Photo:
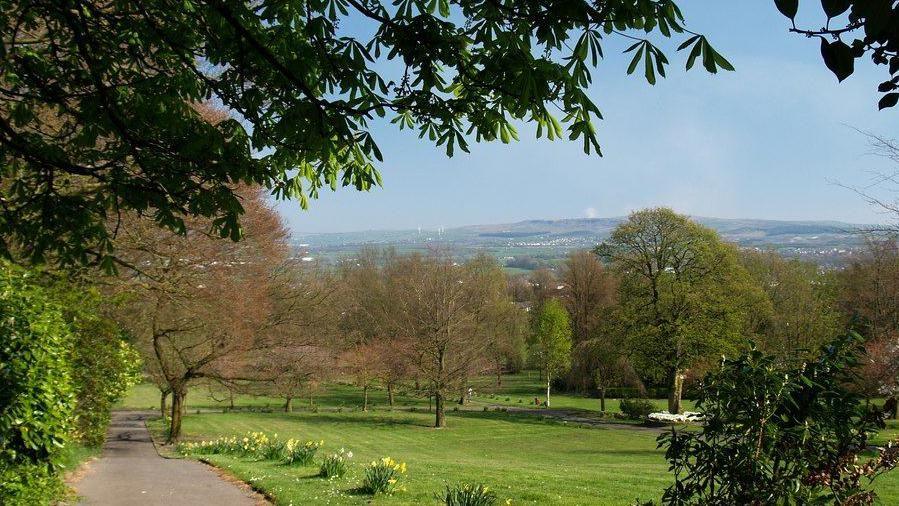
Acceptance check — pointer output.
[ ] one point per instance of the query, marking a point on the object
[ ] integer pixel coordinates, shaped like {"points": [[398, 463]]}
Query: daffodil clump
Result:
{"points": [[469, 494], [335, 465], [222, 445], [254, 444], [382, 476], [297, 452]]}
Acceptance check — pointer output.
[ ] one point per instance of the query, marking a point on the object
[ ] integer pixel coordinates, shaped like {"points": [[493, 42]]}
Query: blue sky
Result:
{"points": [[766, 141]]}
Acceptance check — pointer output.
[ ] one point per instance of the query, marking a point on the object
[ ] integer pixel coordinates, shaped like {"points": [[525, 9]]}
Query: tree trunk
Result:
{"points": [[288, 405], [163, 396], [547, 390], [231, 398], [390, 393], [602, 399], [311, 398], [499, 376], [365, 398], [674, 397], [177, 414], [440, 420]]}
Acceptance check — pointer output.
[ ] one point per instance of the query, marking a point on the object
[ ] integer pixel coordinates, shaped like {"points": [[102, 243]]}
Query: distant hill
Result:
{"points": [[827, 242]]}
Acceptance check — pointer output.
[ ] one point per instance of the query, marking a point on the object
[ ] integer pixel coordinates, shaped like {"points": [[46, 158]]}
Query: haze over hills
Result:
{"points": [[826, 242]]}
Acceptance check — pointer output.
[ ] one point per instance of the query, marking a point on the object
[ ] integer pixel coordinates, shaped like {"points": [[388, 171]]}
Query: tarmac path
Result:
{"points": [[131, 472]]}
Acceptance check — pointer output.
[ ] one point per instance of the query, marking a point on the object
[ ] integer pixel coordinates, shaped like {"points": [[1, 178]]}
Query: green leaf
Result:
{"points": [[838, 58], [635, 60], [834, 8], [888, 100], [788, 8]]}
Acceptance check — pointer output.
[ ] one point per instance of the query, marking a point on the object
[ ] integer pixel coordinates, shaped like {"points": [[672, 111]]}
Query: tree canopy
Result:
{"points": [[98, 98], [684, 296]]}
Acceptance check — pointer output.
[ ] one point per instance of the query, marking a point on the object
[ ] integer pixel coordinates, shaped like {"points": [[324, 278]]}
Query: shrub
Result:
{"points": [[636, 409], [382, 476], [468, 494], [335, 465], [779, 435], [36, 398], [297, 453]]}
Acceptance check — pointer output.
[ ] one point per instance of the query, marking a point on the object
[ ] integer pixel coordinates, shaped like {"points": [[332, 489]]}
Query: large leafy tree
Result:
{"points": [[97, 98], [854, 29], [684, 297]]}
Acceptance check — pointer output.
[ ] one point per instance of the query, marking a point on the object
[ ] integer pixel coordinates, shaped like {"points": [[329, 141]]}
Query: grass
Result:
{"points": [[525, 458], [521, 387], [75, 454]]}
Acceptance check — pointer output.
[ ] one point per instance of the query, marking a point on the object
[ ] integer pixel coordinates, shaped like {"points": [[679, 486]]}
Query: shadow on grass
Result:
{"points": [[358, 491]]}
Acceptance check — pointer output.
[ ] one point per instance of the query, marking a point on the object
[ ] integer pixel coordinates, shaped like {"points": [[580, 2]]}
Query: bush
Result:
{"points": [[297, 453], [382, 476], [336, 464], [780, 435], [103, 364], [36, 398], [468, 494], [636, 409]]}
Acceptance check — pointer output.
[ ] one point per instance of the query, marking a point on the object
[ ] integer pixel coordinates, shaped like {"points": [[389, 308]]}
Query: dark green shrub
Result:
{"points": [[36, 398], [468, 494], [779, 435], [636, 409]]}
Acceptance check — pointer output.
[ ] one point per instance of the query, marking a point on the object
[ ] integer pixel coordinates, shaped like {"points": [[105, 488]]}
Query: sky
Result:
{"points": [[776, 139]]}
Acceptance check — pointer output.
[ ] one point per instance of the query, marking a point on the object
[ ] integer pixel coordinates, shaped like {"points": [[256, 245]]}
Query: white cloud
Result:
{"points": [[590, 212]]}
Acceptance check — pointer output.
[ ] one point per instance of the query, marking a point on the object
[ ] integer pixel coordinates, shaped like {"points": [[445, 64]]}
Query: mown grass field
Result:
{"points": [[524, 458]]}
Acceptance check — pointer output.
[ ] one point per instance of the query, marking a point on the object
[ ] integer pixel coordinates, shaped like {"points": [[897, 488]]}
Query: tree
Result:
{"points": [[853, 29], [439, 307], [506, 328], [362, 321], [119, 79], [779, 434], [550, 346], [588, 289], [544, 286], [683, 295], [802, 314], [199, 304]]}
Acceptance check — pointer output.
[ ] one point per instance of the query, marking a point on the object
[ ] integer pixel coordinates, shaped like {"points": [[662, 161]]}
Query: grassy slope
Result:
{"points": [[522, 457]]}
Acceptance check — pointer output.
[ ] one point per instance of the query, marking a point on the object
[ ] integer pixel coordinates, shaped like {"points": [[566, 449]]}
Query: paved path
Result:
{"points": [[580, 417], [130, 472]]}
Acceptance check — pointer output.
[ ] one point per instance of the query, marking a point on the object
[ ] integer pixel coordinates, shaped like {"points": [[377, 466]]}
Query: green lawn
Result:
{"points": [[516, 390], [524, 458]]}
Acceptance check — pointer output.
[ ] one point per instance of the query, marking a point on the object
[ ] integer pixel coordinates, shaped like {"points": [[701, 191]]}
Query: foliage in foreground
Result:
{"points": [[382, 476], [87, 87], [62, 366], [468, 494], [777, 434], [37, 399]]}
